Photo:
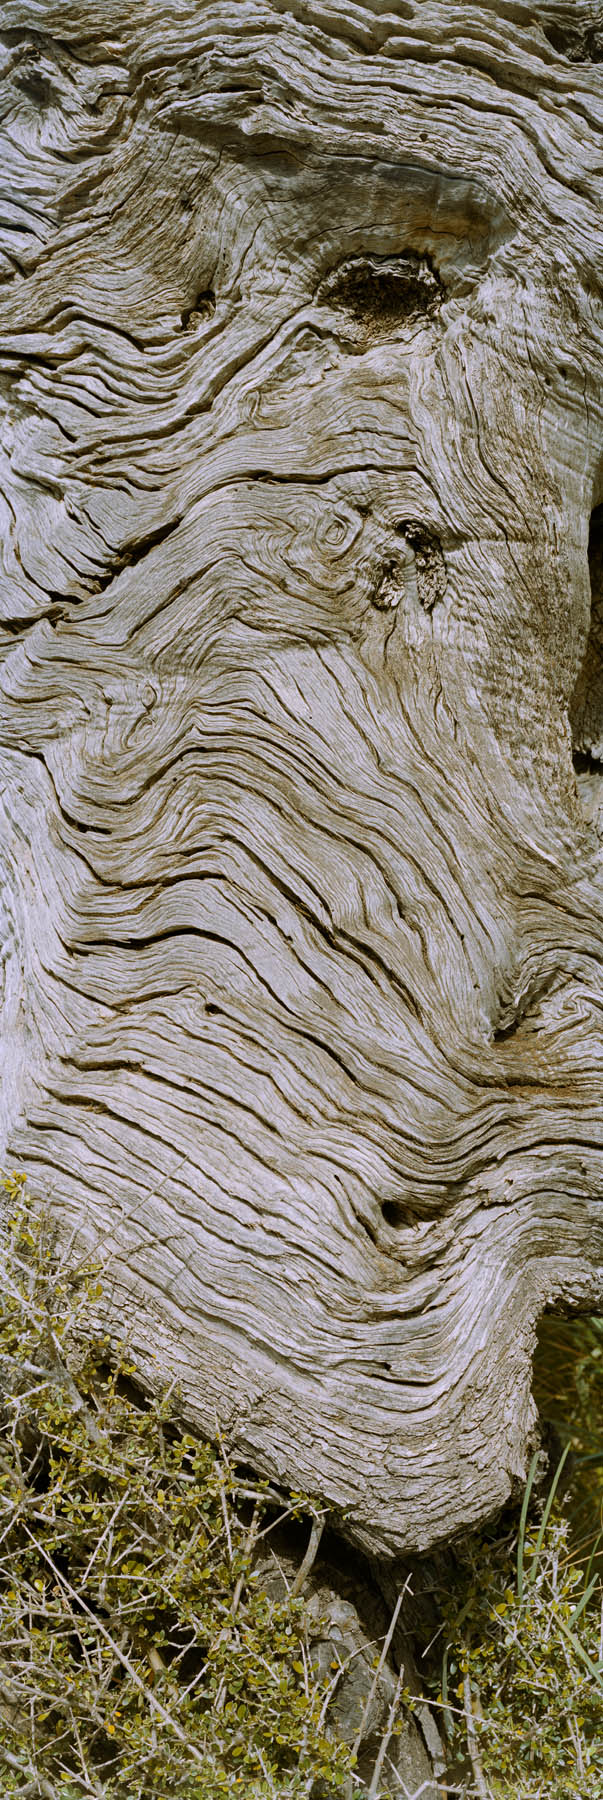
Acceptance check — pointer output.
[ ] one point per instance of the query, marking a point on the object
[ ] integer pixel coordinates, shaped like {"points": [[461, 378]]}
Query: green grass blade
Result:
{"points": [[445, 1710], [594, 1553], [522, 1523], [532, 1571], [583, 1601], [595, 1670]]}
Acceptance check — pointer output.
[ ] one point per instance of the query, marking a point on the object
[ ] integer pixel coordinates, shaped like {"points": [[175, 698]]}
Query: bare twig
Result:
{"points": [[226, 1521], [373, 1687], [38, 1784], [472, 1744], [247, 1550], [309, 1560], [154, 1704], [391, 1720]]}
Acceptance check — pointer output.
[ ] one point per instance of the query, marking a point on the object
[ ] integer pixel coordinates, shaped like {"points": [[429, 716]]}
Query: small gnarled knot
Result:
{"points": [[388, 589], [430, 567], [381, 292]]}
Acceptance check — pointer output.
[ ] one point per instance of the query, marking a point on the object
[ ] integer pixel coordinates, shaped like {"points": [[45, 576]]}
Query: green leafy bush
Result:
{"points": [[138, 1656], [522, 1687], [568, 1390]]}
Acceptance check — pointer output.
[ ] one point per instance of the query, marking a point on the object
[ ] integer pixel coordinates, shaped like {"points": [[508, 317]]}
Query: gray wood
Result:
{"points": [[300, 349]]}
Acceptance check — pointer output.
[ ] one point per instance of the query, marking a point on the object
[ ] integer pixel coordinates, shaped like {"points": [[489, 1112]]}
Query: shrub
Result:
{"points": [[522, 1687], [138, 1656], [568, 1390]]}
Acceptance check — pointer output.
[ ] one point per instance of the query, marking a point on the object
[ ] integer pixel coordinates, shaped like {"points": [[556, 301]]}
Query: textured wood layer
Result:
{"points": [[300, 354]]}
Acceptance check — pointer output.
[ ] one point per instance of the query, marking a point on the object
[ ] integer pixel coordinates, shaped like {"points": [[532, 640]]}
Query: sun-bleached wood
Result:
{"points": [[301, 897]]}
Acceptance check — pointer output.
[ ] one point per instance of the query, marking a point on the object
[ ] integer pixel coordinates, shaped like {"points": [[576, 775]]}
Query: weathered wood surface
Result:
{"points": [[300, 365]]}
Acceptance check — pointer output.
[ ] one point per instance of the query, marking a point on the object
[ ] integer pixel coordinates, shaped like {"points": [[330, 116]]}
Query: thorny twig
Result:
{"points": [[373, 1687]]}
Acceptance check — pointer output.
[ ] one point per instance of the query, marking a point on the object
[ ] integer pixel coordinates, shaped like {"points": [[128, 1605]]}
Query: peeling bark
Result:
{"points": [[300, 341]]}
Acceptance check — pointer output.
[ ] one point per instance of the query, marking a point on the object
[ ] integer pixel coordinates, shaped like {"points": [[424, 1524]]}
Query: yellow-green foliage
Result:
{"points": [[138, 1656], [568, 1390], [522, 1689]]}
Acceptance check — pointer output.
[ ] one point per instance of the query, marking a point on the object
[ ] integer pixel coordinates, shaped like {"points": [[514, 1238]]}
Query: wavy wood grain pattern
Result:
{"points": [[300, 357]]}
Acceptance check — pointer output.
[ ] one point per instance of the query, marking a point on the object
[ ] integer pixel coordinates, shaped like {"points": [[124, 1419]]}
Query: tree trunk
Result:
{"points": [[301, 896]]}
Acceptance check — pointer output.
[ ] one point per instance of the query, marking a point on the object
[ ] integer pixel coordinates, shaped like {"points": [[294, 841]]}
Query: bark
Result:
{"points": [[301, 893]]}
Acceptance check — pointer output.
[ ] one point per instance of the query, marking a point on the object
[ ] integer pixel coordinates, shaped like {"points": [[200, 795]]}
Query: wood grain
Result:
{"points": [[301, 903]]}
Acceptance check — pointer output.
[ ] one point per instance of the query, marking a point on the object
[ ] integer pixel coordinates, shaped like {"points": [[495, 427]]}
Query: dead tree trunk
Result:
{"points": [[300, 353]]}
